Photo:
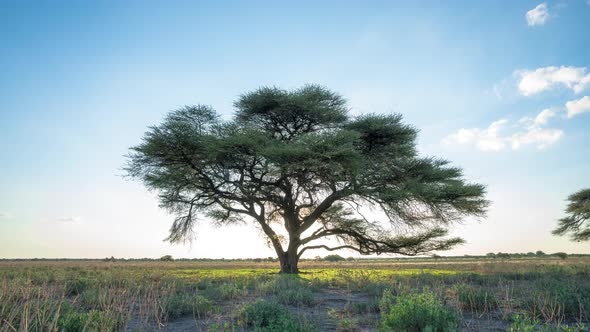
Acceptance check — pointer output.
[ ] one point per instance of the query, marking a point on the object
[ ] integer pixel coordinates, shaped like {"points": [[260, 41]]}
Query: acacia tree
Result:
{"points": [[296, 163], [577, 224]]}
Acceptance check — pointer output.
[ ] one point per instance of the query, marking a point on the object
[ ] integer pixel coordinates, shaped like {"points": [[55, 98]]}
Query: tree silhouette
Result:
{"points": [[577, 223], [296, 163]]}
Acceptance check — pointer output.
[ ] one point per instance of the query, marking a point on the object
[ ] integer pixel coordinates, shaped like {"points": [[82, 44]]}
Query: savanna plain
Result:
{"points": [[524, 293]]}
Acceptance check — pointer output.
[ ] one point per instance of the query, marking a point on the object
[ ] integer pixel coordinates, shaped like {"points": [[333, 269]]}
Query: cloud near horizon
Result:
{"points": [[537, 15], [530, 131]]}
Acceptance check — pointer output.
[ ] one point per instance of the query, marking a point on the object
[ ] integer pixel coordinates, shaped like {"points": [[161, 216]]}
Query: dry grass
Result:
{"points": [[148, 295]]}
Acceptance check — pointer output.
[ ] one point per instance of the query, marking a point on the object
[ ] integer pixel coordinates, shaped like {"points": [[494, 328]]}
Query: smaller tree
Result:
{"points": [[166, 258], [577, 223], [334, 258], [561, 255], [540, 253]]}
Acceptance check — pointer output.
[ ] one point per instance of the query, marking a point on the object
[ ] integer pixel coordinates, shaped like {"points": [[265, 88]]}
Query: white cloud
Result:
{"points": [[534, 81], [529, 131], [540, 120], [4, 214], [543, 117], [575, 107], [541, 137], [71, 219], [537, 15], [486, 139]]}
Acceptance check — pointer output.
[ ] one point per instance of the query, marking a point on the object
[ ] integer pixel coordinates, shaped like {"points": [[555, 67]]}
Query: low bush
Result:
{"points": [[186, 304], [417, 312], [265, 316]]}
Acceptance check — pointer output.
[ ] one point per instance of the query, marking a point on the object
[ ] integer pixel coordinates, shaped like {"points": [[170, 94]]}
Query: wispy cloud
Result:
{"points": [[531, 82], [495, 137], [4, 215], [577, 106], [537, 15]]}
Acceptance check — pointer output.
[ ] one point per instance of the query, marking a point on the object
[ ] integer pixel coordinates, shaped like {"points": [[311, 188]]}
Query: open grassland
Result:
{"points": [[526, 294]]}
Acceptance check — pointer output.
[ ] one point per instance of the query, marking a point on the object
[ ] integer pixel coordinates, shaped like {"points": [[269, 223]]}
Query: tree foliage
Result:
{"points": [[577, 223], [297, 160]]}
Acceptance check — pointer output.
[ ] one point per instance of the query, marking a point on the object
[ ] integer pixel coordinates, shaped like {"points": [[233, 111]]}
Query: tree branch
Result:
{"points": [[322, 246]]}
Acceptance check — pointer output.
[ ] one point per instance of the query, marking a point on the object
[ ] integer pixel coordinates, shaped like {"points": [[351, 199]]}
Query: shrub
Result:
{"points": [[186, 304], [476, 298], [166, 258], [267, 316], [417, 312]]}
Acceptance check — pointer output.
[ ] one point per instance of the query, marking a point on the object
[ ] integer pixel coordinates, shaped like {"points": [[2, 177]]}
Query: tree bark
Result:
{"points": [[289, 261]]}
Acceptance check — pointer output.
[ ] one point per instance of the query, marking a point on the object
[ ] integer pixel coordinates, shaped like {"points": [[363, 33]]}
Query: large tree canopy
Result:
{"points": [[577, 224], [297, 163]]}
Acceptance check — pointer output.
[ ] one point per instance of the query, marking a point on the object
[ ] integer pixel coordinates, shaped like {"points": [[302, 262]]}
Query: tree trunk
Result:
{"points": [[289, 261]]}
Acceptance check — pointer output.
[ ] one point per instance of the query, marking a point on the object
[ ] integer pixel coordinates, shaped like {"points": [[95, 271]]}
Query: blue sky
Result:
{"points": [[80, 82]]}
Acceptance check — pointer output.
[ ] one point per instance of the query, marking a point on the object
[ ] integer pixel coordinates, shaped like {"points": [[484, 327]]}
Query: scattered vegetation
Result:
{"points": [[524, 293]]}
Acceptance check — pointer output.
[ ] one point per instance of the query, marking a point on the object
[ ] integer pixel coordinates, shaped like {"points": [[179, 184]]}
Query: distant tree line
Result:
{"points": [[328, 258], [539, 253]]}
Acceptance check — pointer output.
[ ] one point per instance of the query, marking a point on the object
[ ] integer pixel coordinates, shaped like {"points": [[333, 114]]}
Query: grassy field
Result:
{"points": [[527, 294]]}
